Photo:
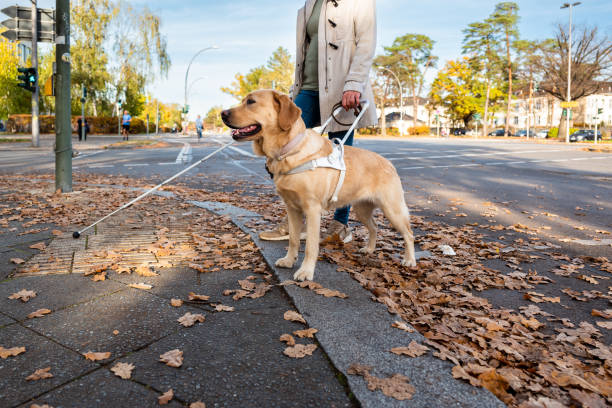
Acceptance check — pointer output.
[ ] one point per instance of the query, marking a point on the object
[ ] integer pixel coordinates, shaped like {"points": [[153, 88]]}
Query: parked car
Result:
{"points": [[523, 133], [499, 132], [584, 135], [542, 133], [459, 131]]}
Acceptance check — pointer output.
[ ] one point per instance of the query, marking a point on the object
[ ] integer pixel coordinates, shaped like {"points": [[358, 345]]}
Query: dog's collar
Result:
{"points": [[286, 150]]}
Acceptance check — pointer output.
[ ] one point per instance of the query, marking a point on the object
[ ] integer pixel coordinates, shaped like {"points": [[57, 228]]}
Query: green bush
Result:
{"points": [[101, 125], [553, 133]]}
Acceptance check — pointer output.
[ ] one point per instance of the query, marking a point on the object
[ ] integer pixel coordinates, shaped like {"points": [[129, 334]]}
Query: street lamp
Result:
{"points": [[214, 47], [190, 87], [569, 67], [401, 100]]}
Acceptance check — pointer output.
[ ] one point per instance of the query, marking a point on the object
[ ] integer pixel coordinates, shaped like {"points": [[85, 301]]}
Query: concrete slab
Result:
{"points": [[54, 292], [101, 389], [40, 353], [358, 330], [235, 360], [139, 317]]}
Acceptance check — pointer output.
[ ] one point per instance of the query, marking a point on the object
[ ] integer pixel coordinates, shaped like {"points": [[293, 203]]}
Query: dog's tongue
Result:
{"points": [[246, 129]]}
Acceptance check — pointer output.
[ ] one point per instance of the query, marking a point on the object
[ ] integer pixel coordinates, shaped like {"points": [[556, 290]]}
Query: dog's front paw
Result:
{"points": [[365, 250], [304, 274], [409, 262], [285, 262]]}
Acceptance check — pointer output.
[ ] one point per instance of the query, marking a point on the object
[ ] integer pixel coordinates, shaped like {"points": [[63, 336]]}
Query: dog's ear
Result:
{"points": [[288, 112], [258, 147]]}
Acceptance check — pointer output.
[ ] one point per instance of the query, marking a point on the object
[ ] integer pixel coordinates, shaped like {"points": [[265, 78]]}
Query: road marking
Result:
{"points": [[243, 152], [485, 154], [82, 156], [592, 242], [165, 164], [506, 163], [136, 164], [99, 166]]}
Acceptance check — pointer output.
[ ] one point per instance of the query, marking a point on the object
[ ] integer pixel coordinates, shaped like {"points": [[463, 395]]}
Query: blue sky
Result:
{"points": [[248, 31]]}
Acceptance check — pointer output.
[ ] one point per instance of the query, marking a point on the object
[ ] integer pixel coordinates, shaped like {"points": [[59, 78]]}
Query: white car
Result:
{"points": [[542, 134]]}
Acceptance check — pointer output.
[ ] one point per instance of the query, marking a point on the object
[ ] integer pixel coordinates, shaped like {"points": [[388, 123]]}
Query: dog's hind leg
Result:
{"points": [[313, 226], [295, 228], [363, 212], [396, 211]]}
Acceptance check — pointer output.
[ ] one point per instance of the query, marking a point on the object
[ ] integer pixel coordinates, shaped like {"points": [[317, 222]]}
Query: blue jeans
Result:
{"points": [[308, 102]]}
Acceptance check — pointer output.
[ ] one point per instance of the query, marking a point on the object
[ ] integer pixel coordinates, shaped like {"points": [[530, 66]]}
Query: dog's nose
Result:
{"points": [[225, 115]]}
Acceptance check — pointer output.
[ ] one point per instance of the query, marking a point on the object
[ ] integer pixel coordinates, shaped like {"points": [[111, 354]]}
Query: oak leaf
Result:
{"points": [[24, 295], [193, 296], [402, 326], [224, 308], [606, 314], [123, 370], [300, 350], [99, 277], [189, 319], [172, 358], [197, 404], [165, 397], [497, 384], [306, 333], [145, 270], [176, 302], [414, 349], [330, 293], [11, 352], [293, 316], [40, 246], [140, 285], [288, 339], [605, 325], [17, 261], [459, 372], [93, 356], [40, 374], [40, 406], [39, 313]]}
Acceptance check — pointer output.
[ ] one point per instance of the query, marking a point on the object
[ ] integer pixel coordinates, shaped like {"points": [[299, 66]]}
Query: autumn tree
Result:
{"points": [[384, 87], [12, 98], [213, 116], [591, 64], [505, 20]]}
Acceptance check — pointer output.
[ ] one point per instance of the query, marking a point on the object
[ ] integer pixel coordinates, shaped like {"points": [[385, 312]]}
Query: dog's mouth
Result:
{"points": [[241, 133]]}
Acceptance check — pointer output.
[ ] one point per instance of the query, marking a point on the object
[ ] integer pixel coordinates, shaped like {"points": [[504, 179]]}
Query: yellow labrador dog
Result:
{"points": [[273, 122]]}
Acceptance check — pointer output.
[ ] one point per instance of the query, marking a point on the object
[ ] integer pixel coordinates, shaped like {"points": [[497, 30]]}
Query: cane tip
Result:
{"points": [[76, 234]]}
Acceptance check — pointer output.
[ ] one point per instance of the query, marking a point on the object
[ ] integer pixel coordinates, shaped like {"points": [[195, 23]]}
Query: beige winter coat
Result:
{"points": [[347, 41]]}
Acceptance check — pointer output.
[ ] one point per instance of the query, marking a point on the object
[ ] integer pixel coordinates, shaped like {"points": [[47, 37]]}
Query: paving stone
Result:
{"points": [[101, 389], [40, 353], [139, 317], [53, 292], [235, 360]]}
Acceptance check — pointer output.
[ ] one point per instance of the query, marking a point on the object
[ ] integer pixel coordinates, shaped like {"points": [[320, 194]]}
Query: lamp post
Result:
{"points": [[190, 87], [214, 47], [569, 67], [401, 100]]}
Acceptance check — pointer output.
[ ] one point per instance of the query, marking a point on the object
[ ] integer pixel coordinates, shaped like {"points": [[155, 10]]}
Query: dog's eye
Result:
{"points": [[250, 101]]}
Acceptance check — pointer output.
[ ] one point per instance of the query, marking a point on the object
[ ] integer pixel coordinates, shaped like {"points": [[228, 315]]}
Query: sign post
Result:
{"points": [[63, 126]]}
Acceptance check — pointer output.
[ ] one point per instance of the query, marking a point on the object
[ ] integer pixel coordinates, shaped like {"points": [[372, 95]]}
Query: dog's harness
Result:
{"points": [[336, 158]]}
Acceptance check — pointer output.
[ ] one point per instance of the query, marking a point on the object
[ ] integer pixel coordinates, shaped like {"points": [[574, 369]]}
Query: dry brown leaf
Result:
{"points": [[459, 372], [193, 296], [306, 333], [402, 326], [57, 233], [605, 325], [189, 319], [288, 339], [165, 397], [397, 386], [115, 332], [330, 293], [293, 316], [176, 302], [95, 356], [145, 270], [497, 384], [197, 404], [11, 352], [300, 350], [99, 277], [123, 370], [40, 406], [24, 295], [40, 246], [40, 374], [606, 314], [17, 261], [224, 308], [143, 286], [246, 284], [414, 349], [587, 399], [39, 313], [172, 358]]}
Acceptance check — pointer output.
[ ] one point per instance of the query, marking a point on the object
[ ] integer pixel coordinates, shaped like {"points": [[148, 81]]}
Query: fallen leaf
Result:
{"points": [[115, 332], [176, 302], [123, 370], [40, 406], [402, 326], [23, 295], [587, 399], [40, 374], [224, 308], [459, 372], [300, 350], [165, 397], [189, 319], [330, 293], [41, 246], [197, 404], [39, 313], [306, 333], [97, 356], [293, 316], [288, 339], [397, 386], [497, 384], [606, 314], [17, 261], [57, 233], [172, 358], [99, 277], [14, 351], [145, 270], [193, 296], [414, 349], [605, 325], [140, 285]]}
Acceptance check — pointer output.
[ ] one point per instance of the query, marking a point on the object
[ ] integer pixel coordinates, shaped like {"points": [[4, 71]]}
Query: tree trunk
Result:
{"points": [[485, 124], [95, 108], [563, 128], [383, 121], [509, 84], [415, 111]]}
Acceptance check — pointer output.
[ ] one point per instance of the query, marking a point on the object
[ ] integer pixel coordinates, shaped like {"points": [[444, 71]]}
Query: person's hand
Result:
{"points": [[350, 100]]}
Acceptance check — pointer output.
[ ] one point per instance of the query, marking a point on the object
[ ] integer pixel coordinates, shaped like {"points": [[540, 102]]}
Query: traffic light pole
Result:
{"points": [[35, 110], [63, 128]]}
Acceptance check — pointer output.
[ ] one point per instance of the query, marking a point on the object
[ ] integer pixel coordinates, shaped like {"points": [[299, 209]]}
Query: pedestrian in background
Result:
{"points": [[82, 135], [199, 126], [125, 125], [336, 40]]}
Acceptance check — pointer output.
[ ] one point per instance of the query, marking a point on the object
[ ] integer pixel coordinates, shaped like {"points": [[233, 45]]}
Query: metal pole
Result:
{"points": [[595, 137], [569, 79], [83, 112], [35, 107], [399, 83], [63, 133], [214, 47]]}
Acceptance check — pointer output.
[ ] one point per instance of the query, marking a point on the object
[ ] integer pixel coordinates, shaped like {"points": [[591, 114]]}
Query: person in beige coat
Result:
{"points": [[336, 40]]}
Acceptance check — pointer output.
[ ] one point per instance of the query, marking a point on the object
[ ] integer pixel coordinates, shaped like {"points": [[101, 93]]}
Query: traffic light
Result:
{"points": [[599, 111], [185, 110], [28, 79]]}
